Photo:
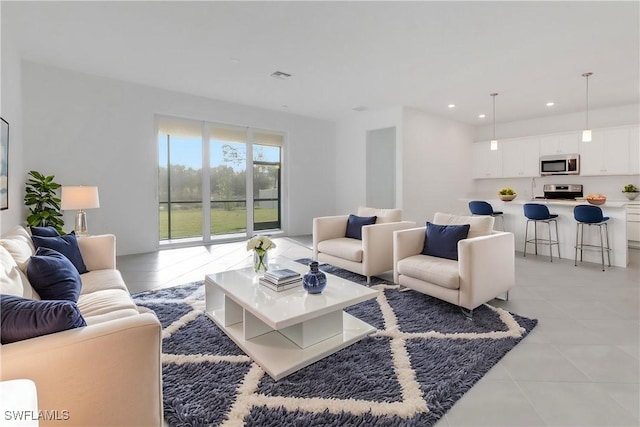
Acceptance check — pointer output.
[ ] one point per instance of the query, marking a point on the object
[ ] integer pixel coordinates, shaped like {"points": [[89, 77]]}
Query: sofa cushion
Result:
{"points": [[382, 215], [67, 245], [479, 225], [12, 280], [442, 240], [53, 276], [98, 280], [104, 302], [342, 247], [18, 243], [44, 231], [23, 318], [439, 271], [355, 224]]}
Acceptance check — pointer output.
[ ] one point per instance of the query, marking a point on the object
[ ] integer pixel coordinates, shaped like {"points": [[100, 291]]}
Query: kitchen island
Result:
{"points": [[515, 222]]}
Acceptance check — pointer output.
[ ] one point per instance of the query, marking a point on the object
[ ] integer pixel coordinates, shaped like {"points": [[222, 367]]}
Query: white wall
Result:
{"points": [[433, 160], [350, 159], [606, 117], [95, 131], [11, 111], [437, 165]]}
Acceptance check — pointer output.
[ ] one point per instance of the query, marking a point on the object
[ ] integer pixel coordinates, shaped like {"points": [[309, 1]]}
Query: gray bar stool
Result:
{"points": [[535, 212], [480, 207], [591, 215]]}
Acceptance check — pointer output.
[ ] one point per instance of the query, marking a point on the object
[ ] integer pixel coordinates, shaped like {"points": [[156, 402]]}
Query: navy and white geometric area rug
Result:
{"points": [[424, 356]]}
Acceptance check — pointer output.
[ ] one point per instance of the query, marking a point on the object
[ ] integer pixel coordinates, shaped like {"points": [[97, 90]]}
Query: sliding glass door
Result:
{"points": [[228, 180], [180, 179], [203, 184], [267, 152]]}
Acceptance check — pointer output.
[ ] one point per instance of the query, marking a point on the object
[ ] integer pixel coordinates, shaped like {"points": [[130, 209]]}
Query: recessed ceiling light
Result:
{"points": [[451, 105], [360, 108], [551, 104], [481, 116], [234, 60], [285, 106]]}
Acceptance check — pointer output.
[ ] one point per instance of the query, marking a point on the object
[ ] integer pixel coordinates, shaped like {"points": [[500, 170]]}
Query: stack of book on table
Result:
{"points": [[280, 280]]}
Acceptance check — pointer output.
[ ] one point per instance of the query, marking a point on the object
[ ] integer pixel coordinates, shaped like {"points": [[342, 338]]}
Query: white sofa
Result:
{"points": [[370, 256], [107, 373], [485, 268]]}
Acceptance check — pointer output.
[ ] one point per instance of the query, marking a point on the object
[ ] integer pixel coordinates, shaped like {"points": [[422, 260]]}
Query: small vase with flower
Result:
{"points": [[260, 245]]}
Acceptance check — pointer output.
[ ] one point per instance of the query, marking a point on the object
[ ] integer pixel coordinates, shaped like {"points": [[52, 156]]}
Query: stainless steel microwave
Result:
{"points": [[562, 164]]}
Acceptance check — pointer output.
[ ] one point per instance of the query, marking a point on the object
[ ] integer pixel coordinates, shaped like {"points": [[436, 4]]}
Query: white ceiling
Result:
{"points": [[347, 54]]}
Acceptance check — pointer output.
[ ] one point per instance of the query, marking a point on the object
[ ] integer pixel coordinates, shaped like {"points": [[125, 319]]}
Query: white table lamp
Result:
{"points": [[80, 198]]}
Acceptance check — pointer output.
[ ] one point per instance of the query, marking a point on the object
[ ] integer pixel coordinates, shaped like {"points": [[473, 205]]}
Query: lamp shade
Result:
{"points": [[74, 198]]}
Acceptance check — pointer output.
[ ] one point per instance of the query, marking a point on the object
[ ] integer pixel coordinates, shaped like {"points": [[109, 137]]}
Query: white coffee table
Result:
{"points": [[287, 330]]}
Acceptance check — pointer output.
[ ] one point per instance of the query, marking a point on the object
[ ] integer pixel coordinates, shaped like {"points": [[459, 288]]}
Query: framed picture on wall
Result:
{"points": [[4, 165]]}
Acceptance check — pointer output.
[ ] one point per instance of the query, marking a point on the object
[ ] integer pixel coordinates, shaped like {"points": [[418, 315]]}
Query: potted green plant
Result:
{"points": [[43, 202], [507, 194], [631, 191]]}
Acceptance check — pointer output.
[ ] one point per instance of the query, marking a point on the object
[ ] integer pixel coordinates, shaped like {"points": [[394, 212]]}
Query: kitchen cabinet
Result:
{"points": [[633, 224], [608, 153], [487, 163], [520, 158], [563, 143]]}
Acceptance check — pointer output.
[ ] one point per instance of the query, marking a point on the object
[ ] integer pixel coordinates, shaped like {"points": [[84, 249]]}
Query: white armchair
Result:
{"points": [[370, 256], [485, 268]]}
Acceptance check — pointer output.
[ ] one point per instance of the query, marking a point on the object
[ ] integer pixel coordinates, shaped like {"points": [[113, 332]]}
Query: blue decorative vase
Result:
{"points": [[314, 281]]}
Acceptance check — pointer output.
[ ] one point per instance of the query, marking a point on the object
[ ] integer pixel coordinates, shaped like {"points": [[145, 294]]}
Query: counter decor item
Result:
{"points": [[260, 246], [507, 194], [596, 199], [631, 191], [314, 281]]}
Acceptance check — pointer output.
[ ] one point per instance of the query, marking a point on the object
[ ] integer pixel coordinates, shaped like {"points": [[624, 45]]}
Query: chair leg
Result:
{"points": [[526, 232], [535, 235], [606, 233], [557, 238], [575, 262], [466, 313], [601, 246], [581, 241], [550, 244]]}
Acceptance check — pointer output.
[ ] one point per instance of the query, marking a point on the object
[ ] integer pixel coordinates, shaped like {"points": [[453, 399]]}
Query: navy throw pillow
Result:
{"points": [[442, 240], [355, 223], [67, 245], [44, 231], [22, 318], [53, 276]]}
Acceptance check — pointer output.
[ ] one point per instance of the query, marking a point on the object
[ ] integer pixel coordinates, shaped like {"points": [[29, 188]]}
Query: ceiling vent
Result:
{"points": [[280, 75]]}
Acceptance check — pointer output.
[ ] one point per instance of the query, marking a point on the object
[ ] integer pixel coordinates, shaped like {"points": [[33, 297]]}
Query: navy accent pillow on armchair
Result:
{"points": [[44, 231], [355, 223], [67, 245], [22, 318], [53, 276], [442, 240]]}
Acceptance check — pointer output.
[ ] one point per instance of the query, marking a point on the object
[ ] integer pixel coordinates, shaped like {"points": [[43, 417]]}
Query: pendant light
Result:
{"points": [[586, 133], [494, 141]]}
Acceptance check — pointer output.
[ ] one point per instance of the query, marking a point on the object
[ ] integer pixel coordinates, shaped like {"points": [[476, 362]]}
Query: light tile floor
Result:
{"points": [[579, 367]]}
